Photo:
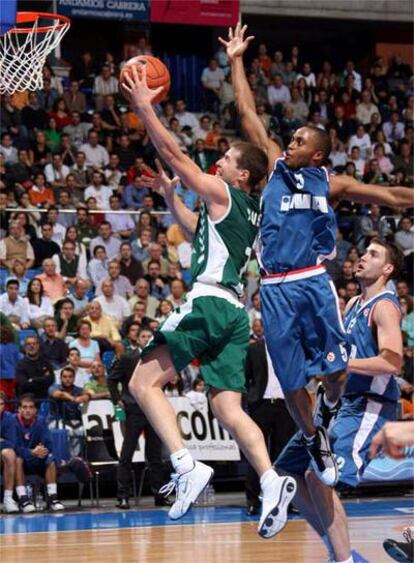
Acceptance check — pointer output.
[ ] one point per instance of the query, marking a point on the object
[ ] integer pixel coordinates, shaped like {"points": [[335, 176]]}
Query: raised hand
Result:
{"points": [[136, 90], [161, 183], [236, 44]]}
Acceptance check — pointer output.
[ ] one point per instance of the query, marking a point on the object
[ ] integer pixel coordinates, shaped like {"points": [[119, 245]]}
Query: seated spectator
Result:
{"points": [[114, 176], [351, 290], [34, 454], [9, 356], [66, 319], [52, 347], [65, 411], [407, 323], [125, 152], [141, 246], [347, 275], [394, 129], [69, 265], [85, 229], [212, 78], [404, 161], [27, 220], [277, 92], [53, 135], [130, 342], [257, 330], [67, 151], [361, 139], [40, 194], [77, 131], [40, 306], [175, 387], [81, 374], [8, 443], [96, 155], [16, 245], [7, 149], [138, 316], [99, 191], [44, 246], [255, 311], [122, 223], [88, 347], [75, 99], [158, 283], [374, 174], [34, 117], [197, 396], [384, 163], [98, 266], [133, 194], [121, 284], [358, 162], [129, 266], [80, 171], [203, 158], [60, 114], [18, 272], [113, 305], [104, 84], [366, 109], [372, 225], [142, 293], [404, 236], [66, 203], [54, 285], [97, 387], [104, 329], [39, 153], [79, 298], [178, 294], [14, 306], [106, 239], [164, 309], [59, 231], [155, 253], [34, 374]]}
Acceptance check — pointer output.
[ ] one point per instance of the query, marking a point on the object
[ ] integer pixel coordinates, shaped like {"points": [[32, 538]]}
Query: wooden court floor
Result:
{"points": [[198, 543]]}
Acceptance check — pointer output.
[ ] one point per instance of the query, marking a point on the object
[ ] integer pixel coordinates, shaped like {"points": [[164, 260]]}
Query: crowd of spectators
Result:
{"points": [[91, 261]]}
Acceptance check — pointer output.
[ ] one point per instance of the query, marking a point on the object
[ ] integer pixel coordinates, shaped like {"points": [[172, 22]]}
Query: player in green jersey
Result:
{"points": [[212, 325]]}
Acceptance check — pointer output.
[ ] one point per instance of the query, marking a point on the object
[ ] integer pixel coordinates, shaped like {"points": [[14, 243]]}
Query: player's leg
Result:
{"points": [[51, 485], [25, 503], [8, 465]]}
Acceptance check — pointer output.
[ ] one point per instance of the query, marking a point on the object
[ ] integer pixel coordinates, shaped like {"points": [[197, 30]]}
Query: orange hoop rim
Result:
{"points": [[26, 17]]}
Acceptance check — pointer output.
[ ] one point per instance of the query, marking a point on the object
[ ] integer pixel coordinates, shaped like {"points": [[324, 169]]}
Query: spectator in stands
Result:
{"points": [[342, 125], [88, 347], [361, 139], [404, 236], [142, 293], [404, 161], [357, 160], [369, 226], [54, 285], [366, 109], [66, 319], [212, 78], [178, 295], [34, 117], [394, 128], [104, 85], [351, 290], [158, 283], [39, 153], [65, 411], [98, 266], [80, 171], [185, 117], [114, 176], [99, 190], [53, 135], [122, 223], [129, 267], [40, 306], [71, 266], [374, 174], [67, 150], [40, 194], [9, 357], [14, 306], [347, 275], [85, 229], [34, 454], [75, 99], [97, 387], [66, 203], [133, 194], [7, 149], [407, 323], [104, 329], [45, 246], [125, 153], [59, 231], [278, 93], [8, 444], [52, 347], [79, 297], [81, 374], [96, 155], [121, 284], [77, 130], [34, 374], [384, 163], [106, 239], [113, 305], [15, 245], [18, 272]]}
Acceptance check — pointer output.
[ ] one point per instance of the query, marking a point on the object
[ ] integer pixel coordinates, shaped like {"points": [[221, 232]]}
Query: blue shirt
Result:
{"points": [[9, 356], [30, 435], [8, 435], [60, 409], [362, 337], [298, 226], [132, 197]]}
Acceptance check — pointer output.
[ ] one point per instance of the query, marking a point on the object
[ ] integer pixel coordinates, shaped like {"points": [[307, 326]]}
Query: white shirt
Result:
{"points": [[116, 308], [101, 195], [309, 79], [278, 95], [187, 118], [19, 308], [95, 156], [53, 175], [81, 271], [359, 165], [212, 78], [9, 153], [120, 221], [273, 389], [45, 309], [364, 143], [105, 87]]}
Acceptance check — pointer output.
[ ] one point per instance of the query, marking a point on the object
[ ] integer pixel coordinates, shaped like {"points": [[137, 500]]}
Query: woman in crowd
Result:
{"points": [[72, 236], [40, 306], [52, 135], [60, 114], [88, 347], [40, 153], [18, 272], [164, 310]]}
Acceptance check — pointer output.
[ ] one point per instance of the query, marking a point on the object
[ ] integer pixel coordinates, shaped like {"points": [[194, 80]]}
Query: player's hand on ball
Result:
{"points": [[136, 90], [236, 43]]}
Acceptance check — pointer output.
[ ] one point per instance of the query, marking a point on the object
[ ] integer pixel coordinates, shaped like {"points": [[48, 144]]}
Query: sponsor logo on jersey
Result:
{"points": [[330, 357], [304, 201]]}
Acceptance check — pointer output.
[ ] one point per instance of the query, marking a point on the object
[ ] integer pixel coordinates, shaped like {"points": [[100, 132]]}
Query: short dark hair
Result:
{"points": [[98, 247], [253, 159], [323, 141], [394, 255], [27, 398], [67, 368], [13, 281]]}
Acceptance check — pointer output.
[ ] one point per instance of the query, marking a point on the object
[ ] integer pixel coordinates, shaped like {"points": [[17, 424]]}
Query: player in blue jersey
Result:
{"points": [[303, 328], [7, 456], [34, 454], [372, 322]]}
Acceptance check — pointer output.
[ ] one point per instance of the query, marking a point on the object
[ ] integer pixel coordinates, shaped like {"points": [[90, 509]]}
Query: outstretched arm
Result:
{"points": [[210, 188], [254, 129], [186, 218], [345, 187]]}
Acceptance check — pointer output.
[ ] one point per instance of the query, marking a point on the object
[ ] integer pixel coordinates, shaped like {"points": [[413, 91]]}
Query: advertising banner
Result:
{"points": [[196, 12], [201, 432], [127, 10]]}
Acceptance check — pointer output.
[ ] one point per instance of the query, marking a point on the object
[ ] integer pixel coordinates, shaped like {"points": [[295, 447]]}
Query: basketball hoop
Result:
{"points": [[23, 50]]}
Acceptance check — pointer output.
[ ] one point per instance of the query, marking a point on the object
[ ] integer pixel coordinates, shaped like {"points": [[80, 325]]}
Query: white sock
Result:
{"points": [[329, 547], [268, 479], [8, 493], [331, 405], [51, 489], [182, 461], [21, 491], [349, 560]]}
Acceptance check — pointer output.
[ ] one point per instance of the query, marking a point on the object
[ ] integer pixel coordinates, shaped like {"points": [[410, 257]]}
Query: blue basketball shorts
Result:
{"points": [[351, 433], [32, 464], [303, 329]]}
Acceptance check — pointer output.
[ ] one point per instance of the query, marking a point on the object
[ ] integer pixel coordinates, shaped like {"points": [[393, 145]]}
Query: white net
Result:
{"points": [[23, 55]]}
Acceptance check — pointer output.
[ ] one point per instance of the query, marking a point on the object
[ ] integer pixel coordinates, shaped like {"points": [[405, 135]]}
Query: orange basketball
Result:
{"points": [[157, 74]]}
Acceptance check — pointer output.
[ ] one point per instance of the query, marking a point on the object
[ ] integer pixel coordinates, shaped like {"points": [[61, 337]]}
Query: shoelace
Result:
{"points": [[408, 535], [168, 488]]}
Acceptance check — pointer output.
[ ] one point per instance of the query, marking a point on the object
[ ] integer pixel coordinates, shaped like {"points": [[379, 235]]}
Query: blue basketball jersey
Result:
{"points": [[298, 226], [363, 341]]}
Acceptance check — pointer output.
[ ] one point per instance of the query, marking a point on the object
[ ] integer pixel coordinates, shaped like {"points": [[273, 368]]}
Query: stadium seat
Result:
{"points": [[33, 272], [107, 358], [3, 275]]}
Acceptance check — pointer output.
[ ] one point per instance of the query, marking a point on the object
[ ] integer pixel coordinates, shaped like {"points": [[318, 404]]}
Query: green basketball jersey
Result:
{"points": [[221, 249]]}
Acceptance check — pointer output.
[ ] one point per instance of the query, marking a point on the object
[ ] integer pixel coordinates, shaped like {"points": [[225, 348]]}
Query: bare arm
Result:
{"points": [[253, 128], [345, 187], [186, 218], [389, 360], [210, 188]]}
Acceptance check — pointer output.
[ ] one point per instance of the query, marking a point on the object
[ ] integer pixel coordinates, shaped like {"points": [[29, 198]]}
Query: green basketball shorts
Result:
{"points": [[215, 330]]}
